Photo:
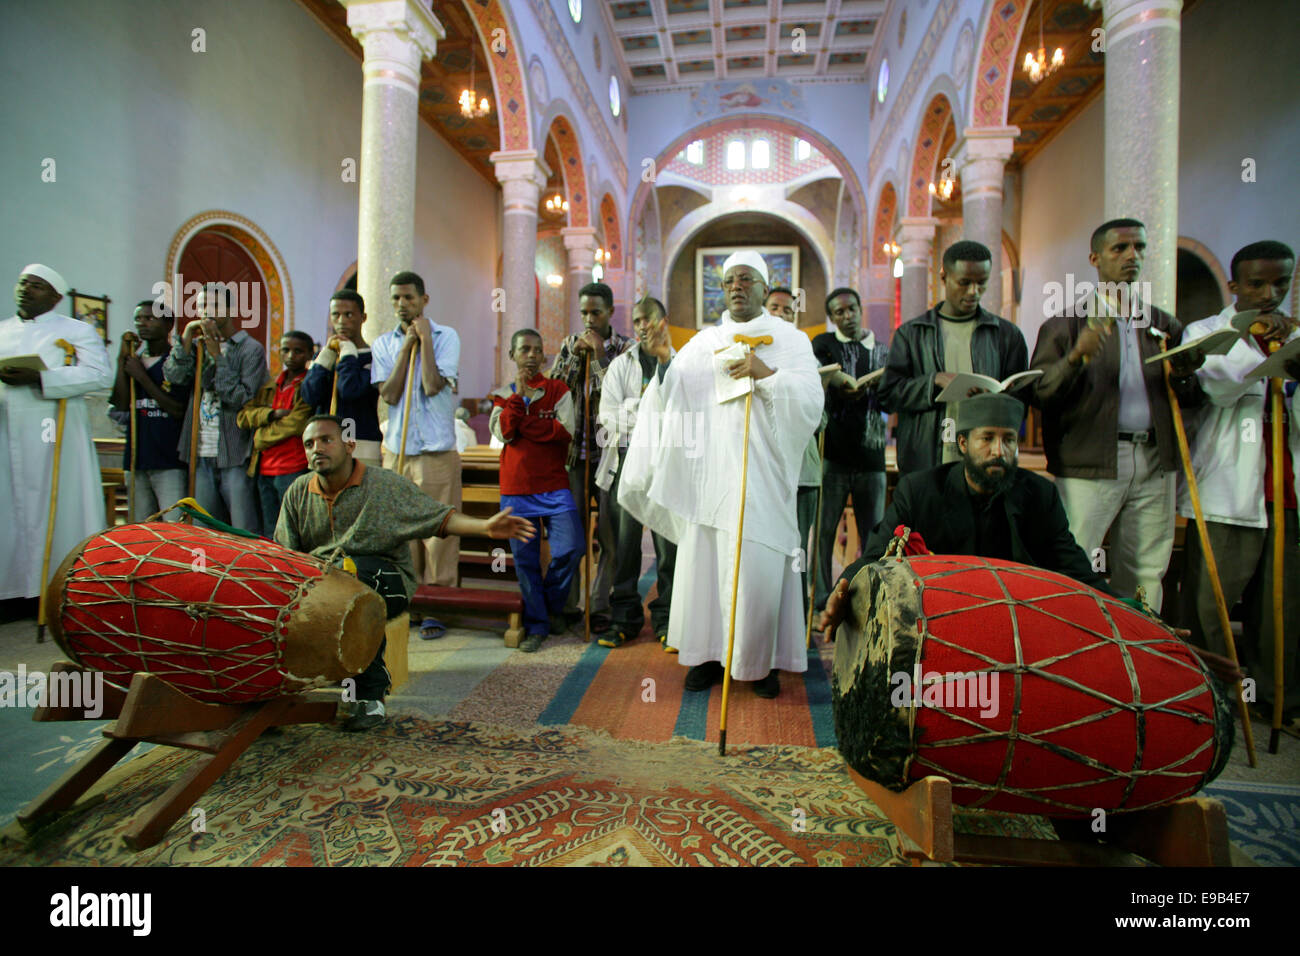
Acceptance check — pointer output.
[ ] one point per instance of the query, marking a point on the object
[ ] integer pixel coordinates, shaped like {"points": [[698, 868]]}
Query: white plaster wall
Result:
{"points": [[146, 133]]}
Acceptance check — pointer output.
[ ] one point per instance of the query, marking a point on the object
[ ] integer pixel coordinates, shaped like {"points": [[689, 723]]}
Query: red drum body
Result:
{"points": [[223, 618], [1031, 692]]}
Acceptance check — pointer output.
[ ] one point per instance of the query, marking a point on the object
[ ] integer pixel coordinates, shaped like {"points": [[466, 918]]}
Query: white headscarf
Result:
{"points": [[746, 257], [49, 275]]}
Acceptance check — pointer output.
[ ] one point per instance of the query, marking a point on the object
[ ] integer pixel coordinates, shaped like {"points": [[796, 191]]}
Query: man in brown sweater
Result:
{"points": [[341, 508]]}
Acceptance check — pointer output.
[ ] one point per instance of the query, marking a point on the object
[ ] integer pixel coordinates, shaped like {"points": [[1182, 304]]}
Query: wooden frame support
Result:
{"points": [[1189, 832], [152, 711]]}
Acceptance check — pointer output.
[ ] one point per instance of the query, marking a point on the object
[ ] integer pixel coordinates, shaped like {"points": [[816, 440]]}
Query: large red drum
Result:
{"points": [[1031, 692], [226, 619]]}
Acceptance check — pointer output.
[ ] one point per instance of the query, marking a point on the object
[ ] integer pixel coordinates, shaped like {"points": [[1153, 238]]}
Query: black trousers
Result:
{"points": [[384, 579], [625, 604]]}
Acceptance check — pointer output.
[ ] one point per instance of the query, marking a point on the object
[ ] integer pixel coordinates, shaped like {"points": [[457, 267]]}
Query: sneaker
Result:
{"points": [[703, 676], [613, 639], [663, 642], [769, 686], [600, 623], [532, 643], [368, 715]]}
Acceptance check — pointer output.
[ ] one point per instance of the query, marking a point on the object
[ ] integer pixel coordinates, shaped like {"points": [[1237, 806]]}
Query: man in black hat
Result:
{"points": [[981, 504]]}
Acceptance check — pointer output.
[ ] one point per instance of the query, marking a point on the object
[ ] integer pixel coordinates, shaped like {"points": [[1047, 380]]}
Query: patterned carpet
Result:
{"points": [[441, 793]]}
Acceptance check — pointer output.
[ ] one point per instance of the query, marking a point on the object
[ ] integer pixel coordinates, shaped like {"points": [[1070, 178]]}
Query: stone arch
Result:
{"points": [[258, 245], [883, 228], [572, 169], [613, 234], [509, 79], [645, 189], [995, 65], [926, 154], [350, 273]]}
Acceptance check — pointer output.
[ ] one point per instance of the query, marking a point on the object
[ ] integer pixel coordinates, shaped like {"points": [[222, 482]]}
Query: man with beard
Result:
{"points": [[982, 504], [342, 509]]}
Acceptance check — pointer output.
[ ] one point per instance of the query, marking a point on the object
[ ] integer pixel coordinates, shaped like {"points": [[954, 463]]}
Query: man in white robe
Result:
{"points": [[28, 414], [682, 477]]}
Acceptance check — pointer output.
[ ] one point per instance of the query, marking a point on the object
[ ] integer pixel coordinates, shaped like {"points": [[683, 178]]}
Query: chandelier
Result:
{"points": [[557, 205], [943, 191], [469, 98], [1037, 66], [891, 249]]}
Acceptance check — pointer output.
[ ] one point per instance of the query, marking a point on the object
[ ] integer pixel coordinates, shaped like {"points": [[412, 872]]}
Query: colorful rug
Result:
{"points": [[442, 793], [1263, 818]]}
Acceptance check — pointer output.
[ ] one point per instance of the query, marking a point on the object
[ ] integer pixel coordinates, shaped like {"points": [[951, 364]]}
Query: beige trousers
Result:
{"points": [[437, 474]]}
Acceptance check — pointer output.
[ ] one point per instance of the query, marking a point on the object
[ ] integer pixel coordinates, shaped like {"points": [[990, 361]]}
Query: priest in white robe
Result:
{"points": [[682, 477], [28, 415]]}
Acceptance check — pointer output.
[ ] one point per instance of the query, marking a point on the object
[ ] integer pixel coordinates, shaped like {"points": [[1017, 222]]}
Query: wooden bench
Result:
{"points": [[485, 602]]}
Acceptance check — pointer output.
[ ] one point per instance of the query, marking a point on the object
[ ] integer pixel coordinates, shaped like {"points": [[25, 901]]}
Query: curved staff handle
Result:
{"points": [[334, 344], [750, 342], [69, 357], [1211, 565], [406, 405]]}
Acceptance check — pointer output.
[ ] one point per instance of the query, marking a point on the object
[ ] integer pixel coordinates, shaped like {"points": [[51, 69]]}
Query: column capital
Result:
{"points": [[1119, 18], [514, 165], [579, 238], [918, 228], [395, 36], [985, 142]]}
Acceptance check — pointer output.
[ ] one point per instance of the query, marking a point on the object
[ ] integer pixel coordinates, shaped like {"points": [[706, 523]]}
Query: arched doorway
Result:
{"points": [[214, 257], [1198, 294]]}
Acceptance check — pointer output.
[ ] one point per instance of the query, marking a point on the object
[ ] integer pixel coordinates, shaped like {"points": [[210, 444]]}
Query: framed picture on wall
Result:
{"points": [[710, 303], [92, 309]]}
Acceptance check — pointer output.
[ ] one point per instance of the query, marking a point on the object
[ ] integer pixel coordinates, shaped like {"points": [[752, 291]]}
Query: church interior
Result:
{"points": [[510, 153]]}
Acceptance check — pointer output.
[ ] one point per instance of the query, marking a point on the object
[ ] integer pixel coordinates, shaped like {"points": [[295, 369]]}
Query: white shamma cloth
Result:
{"points": [[681, 478]]}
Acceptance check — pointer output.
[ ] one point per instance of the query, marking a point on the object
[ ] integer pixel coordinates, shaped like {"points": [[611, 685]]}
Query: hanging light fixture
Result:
{"points": [[557, 205], [891, 249], [471, 106], [943, 191], [1038, 66]]}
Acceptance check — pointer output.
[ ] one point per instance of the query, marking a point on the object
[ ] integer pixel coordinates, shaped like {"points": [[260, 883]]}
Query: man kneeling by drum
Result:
{"points": [[344, 509], [985, 505]]}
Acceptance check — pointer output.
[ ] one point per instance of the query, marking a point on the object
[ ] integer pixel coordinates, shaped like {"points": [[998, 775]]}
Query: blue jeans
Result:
{"points": [[227, 494], [156, 489], [868, 491], [543, 597], [270, 491]]}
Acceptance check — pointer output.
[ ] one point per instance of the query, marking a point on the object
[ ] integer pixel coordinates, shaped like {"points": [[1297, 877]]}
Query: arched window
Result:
{"points": [[736, 154], [761, 154]]}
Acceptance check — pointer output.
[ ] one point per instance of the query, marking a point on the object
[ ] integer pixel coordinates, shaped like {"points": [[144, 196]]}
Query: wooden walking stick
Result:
{"points": [[194, 411], [817, 541], [334, 391], [1279, 655], [406, 405], [129, 340], [69, 356], [586, 495], [1211, 566], [749, 343]]}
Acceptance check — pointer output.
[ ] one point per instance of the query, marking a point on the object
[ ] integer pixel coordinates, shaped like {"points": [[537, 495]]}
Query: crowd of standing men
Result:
{"points": [[593, 428]]}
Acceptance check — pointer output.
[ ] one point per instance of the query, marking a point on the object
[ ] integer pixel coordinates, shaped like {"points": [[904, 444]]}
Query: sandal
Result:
{"points": [[431, 629]]}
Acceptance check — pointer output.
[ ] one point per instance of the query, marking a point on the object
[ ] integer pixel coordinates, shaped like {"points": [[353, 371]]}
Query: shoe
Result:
{"points": [[663, 642], [431, 629], [532, 643], [769, 686], [703, 676], [613, 639], [369, 714], [600, 623], [559, 624]]}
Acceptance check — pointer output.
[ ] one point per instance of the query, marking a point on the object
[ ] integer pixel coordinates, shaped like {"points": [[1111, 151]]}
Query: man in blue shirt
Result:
{"points": [[432, 461]]}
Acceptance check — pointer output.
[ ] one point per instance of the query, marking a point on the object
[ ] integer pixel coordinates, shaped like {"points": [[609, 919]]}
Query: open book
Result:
{"points": [[724, 386], [34, 362], [959, 388], [1275, 365], [828, 370], [1218, 342]]}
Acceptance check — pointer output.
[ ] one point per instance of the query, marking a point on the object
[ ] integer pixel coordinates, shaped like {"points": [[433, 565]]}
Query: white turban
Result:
{"points": [[48, 274], [746, 257]]}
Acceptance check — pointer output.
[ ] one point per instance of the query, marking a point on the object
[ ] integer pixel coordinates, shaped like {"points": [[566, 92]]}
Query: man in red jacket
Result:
{"points": [[534, 416]]}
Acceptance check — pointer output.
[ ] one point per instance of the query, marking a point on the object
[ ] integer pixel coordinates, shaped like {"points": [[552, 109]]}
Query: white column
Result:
{"points": [[580, 244], [395, 36], [522, 175], [1142, 77], [982, 160], [917, 256]]}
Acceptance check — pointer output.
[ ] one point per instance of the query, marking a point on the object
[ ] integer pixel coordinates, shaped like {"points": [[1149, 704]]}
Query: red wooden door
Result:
{"points": [[214, 257]]}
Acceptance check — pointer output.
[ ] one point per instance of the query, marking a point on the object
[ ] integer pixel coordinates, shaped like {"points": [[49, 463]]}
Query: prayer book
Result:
{"points": [[1275, 365], [1218, 342], [959, 388], [34, 362], [725, 387]]}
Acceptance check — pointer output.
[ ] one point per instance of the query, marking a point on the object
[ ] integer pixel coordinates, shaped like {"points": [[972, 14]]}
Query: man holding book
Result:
{"points": [[930, 350], [854, 452]]}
